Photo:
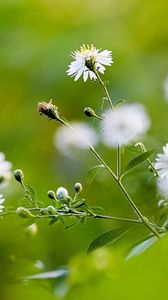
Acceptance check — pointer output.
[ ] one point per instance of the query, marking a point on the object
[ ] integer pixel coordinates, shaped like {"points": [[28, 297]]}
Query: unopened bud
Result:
{"points": [[89, 112], [51, 210], [51, 194], [18, 174], [78, 187], [43, 211], [31, 230], [140, 146], [24, 213], [162, 204]]}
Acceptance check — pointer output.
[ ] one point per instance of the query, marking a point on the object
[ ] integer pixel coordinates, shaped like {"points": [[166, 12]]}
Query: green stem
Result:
{"points": [[137, 211], [104, 88], [118, 161]]}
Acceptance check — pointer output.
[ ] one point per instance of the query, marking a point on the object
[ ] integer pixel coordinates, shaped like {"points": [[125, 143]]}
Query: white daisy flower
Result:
{"points": [[1, 202], [5, 170], [124, 124], [62, 193], [86, 59], [161, 164], [165, 88], [81, 136], [162, 186]]}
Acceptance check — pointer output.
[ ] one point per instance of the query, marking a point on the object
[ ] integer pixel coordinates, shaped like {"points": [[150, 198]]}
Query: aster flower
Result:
{"points": [[5, 170], [124, 124], [1, 202], [62, 193], [80, 136], [86, 60], [162, 186], [161, 164]]}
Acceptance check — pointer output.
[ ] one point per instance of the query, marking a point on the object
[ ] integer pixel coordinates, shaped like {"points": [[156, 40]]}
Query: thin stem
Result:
{"points": [[118, 161], [153, 168], [137, 211], [104, 88]]}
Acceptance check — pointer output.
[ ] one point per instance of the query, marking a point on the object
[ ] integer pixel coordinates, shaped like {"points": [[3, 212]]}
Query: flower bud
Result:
{"points": [[31, 230], [162, 204], [89, 112], [18, 174], [43, 211], [51, 210], [24, 213], [140, 146], [78, 187], [61, 193], [51, 195]]}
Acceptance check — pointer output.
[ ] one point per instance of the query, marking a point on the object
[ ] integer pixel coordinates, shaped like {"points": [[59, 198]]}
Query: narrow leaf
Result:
{"points": [[108, 237], [136, 161], [133, 149], [143, 245], [92, 173], [50, 274]]}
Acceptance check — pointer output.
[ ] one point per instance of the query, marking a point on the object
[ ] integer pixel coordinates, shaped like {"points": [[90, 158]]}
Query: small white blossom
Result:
{"points": [[162, 186], [5, 170], [80, 136], [165, 88], [85, 59], [61, 193], [161, 164], [126, 123], [1, 202]]}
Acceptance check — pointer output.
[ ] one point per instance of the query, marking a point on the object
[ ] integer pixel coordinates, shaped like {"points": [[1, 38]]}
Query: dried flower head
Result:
{"points": [[87, 60], [49, 109]]}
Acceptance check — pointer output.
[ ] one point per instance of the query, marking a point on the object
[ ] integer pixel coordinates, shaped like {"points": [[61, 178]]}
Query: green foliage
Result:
{"points": [[136, 161], [92, 173], [108, 237]]}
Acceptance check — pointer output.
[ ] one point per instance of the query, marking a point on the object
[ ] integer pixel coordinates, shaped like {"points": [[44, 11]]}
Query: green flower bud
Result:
{"points": [[51, 210], [51, 195], [24, 213], [31, 230], [140, 146], [78, 187], [43, 211], [89, 112], [162, 204], [18, 174]]}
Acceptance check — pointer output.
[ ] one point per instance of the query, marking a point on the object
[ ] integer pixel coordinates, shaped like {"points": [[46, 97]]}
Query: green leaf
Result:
{"points": [[133, 149], [97, 209], [48, 275], [141, 246], [136, 161], [78, 203], [108, 237], [92, 173]]}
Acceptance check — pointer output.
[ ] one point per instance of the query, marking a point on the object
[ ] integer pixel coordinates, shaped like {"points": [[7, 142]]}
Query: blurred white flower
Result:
{"points": [[1, 202], [161, 164], [79, 137], [162, 186], [62, 193], [165, 88], [5, 170], [86, 59], [124, 124]]}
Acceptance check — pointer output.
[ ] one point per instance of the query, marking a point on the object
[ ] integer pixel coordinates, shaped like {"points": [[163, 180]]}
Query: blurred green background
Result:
{"points": [[37, 37]]}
